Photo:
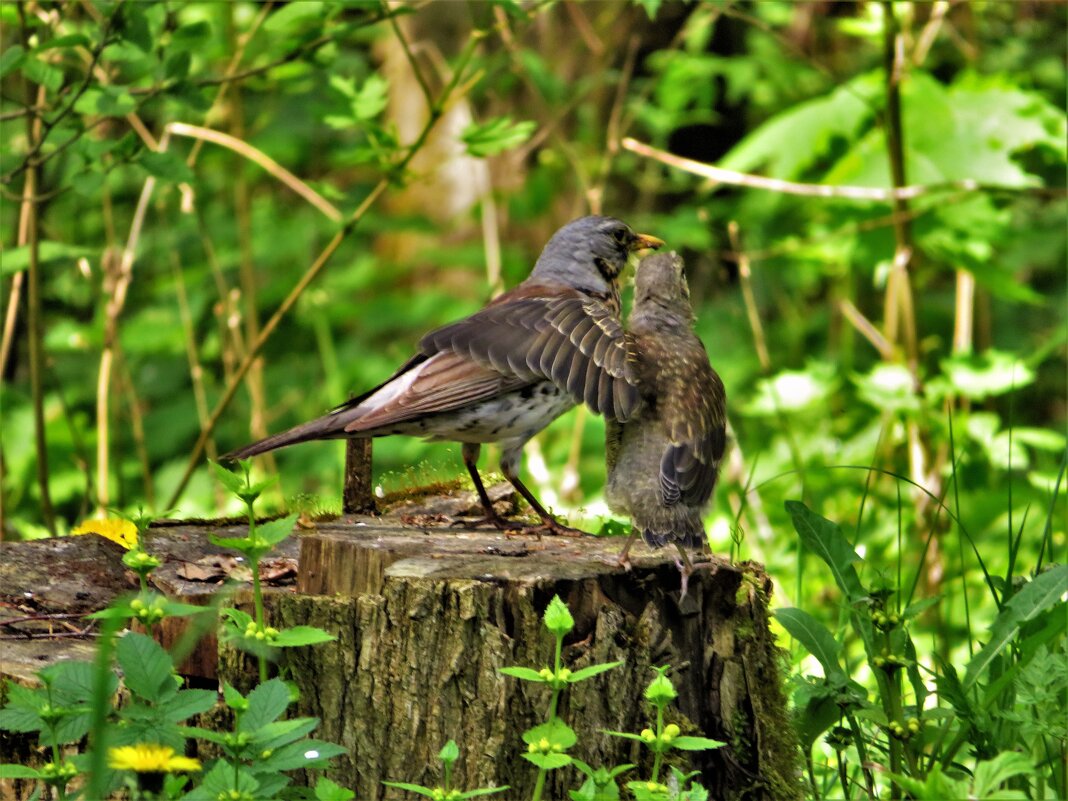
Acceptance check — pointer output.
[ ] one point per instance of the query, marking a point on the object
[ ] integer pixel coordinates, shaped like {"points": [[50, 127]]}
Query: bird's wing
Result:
{"points": [[613, 441], [697, 429], [553, 334], [440, 383]]}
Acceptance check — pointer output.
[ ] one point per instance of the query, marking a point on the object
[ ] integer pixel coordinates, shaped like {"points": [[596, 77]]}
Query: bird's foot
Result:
{"points": [[685, 571]]}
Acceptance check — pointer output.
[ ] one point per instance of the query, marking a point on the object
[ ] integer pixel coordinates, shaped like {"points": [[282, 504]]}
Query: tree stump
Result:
{"points": [[425, 616]]}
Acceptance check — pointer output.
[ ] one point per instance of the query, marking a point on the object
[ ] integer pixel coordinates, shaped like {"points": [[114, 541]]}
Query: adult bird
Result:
{"points": [[507, 371], [663, 462]]}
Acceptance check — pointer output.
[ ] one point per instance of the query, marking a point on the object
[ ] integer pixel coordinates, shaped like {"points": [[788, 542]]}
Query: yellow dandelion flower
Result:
{"points": [[149, 758], [117, 530]]}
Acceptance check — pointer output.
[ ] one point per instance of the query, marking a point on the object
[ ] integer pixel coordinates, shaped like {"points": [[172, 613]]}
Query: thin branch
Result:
{"points": [[418, 73], [261, 159], [866, 329], [930, 31], [745, 275], [735, 178]]}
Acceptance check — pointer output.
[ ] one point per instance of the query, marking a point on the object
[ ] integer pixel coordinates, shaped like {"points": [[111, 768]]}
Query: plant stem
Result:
{"points": [[257, 590], [539, 785], [659, 746]]}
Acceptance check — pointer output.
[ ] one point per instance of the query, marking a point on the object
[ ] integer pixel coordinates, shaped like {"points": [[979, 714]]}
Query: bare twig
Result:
{"points": [[866, 329], [745, 275], [930, 31], [735, 178], [261, 159]]}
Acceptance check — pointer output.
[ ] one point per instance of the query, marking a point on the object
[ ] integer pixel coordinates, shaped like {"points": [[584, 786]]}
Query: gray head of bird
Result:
{"points": [[660, 287], [590, 252]]}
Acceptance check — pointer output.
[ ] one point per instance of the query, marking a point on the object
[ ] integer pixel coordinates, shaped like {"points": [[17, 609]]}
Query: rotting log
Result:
{"points": [[426, 614]]}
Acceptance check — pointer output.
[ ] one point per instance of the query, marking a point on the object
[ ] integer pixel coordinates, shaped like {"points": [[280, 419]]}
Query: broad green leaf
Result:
{"points": [[274, 531], [11, 59], [1042, 593], [815, 637], [188, 703], [526, 674], [147, 669], [43, 73], [418, 789], [591, 671], [990, 775], [992, 372], [233, 697], [327, 790], [105, 101], [265, 703], [548, 761], [166, 166], [485, 791], [48, 252], [794, 390], [555, 732], [825, 539], [889, 387], [301, 635], [303, 754], [686, 743], [8, 771], [371, 98]]}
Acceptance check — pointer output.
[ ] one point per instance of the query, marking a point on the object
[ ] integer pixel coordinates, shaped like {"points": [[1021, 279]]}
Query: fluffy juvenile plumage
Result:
{"points": [[507, 371], [663, 462]]}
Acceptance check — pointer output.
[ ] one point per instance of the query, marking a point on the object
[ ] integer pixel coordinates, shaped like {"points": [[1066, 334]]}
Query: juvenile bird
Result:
{"points": [[663, 462], [507, 371]]}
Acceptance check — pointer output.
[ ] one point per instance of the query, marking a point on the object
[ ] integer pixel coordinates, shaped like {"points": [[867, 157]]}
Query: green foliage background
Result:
{"points": [[932, 349]]}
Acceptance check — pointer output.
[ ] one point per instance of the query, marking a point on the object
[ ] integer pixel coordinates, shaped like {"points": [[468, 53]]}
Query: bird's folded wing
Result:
{"points": [[566, 337], [442, 383], [689, 468]]}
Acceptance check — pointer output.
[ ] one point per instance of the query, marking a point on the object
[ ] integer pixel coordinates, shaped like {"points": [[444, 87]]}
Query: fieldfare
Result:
{"points": [[507, 371], [663, 462]]}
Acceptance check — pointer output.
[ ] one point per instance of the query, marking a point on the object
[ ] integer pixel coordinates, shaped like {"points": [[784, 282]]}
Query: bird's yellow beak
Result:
{"points": [[644, 241]]}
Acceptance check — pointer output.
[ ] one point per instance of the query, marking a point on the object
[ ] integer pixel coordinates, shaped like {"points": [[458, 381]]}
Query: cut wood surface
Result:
{"points": [[425, 615]]}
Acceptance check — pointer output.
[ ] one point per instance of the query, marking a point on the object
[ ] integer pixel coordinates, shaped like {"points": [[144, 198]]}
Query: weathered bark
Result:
{"points": [[425, 616]]}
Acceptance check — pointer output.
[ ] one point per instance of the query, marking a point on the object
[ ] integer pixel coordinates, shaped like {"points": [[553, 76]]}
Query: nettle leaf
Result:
{"points": [[166, 166], [327, 790], [275, 531], [418, 789], [449, 752], [889, 387], [105, 101], [38, 71], [234, 483], [265, 703], [371, 98], [591, 671], [495, 135], [485, 791], [188, 703], [555, 732], [303, 754], [147, 669], [18, 772], [11, 59]]}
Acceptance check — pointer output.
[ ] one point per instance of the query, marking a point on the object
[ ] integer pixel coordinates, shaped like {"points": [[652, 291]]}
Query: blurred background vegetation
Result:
{"points": [[176, 174]]}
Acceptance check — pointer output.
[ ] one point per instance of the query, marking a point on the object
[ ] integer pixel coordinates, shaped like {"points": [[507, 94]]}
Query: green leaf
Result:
{"points": [[11, 59], [233, 697], [990, 775], [485, 791], [554, 732], [265, 703], [558, 618], [988, 374], [626, 735], [105, 101], [134, 26], [495, 136], [166, 166], [889, 387], [8, 771], [301, 635], [187, 703], [449, 753], [192, 36], [815, 637], [239, 618], [548, 761], [303, 754], [418, 789], [1042, 593], [591, 671], [826, 540], [685, 743], [327, 790], [147, 669], [371, 98], [48, 252], [275, 531], [660, 691], [38, 71], [524, 673], [651, 7]]}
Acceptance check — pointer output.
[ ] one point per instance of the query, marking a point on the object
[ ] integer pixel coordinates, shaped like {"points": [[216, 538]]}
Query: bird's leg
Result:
{"points": [[624, 559], [685, 567], [549, 525], [469, 452]]}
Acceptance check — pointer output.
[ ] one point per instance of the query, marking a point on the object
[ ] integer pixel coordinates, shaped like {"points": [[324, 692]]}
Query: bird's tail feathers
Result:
{"points": [[330, 426]]}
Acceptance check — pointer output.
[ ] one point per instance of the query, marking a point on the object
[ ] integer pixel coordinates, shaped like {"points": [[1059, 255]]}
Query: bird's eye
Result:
{"points": [[619, 234]]}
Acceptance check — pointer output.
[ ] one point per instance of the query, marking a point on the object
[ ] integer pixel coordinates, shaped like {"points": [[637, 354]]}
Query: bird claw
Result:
{"points": [[496, 521], [555, 529]]}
